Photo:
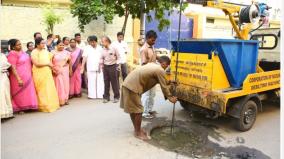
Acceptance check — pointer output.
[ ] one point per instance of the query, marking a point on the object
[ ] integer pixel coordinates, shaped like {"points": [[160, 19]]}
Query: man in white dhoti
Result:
{"points": [[91, 56], [6, 109]]}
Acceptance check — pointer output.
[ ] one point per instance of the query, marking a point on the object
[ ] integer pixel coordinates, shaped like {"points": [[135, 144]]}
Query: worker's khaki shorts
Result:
{"points": [[130, 101]]}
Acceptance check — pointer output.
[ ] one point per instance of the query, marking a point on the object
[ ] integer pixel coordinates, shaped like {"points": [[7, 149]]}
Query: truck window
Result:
{"points": [[266, 41]]}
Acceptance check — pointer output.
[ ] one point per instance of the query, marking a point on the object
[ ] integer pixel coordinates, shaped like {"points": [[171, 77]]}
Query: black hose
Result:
{"points": [[257, 28]]}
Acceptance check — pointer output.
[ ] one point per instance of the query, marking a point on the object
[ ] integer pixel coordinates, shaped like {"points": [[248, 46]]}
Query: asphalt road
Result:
{"points": [[88, 129]]}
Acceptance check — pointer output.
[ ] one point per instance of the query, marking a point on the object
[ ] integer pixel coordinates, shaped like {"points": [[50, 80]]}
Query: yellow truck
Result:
{"points": [[225, 76]]}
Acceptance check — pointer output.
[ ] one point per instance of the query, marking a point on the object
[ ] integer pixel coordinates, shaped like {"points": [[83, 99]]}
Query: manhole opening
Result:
{"points": [[191, 139], [181, 139]]}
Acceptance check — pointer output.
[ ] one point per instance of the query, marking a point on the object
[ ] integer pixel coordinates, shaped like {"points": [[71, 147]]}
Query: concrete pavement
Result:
{"points": [[89, 129]]}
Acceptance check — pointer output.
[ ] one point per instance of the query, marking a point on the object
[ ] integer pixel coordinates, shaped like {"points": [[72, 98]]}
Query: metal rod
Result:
{"points": [[173, 120], [239, 4], [177, 56], [204, 2]]}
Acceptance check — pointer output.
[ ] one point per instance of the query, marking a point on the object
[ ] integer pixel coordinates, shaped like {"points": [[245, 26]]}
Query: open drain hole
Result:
{"points": [[191, 139], [181, 139]]}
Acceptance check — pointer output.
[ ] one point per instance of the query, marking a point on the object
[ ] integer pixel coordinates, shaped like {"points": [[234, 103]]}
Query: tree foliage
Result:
{"points": [[50, 18], [88, 10]]}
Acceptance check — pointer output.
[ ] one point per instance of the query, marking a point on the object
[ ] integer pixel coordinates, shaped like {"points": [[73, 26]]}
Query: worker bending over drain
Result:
{"points": [[138, 82]]}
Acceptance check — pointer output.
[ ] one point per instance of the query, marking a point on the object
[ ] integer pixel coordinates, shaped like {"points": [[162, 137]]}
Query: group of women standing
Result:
{"points": [[43, 81]]}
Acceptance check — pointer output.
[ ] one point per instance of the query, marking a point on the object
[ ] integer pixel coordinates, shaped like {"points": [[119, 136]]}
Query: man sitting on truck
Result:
{"points": [[138, 82]]}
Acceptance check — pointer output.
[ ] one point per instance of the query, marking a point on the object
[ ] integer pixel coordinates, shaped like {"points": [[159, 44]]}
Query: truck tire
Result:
{"points": [[247, 116]]}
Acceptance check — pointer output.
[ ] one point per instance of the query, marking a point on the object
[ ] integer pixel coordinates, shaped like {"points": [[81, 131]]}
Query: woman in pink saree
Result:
{"points": [[23, 91], [75, 79], [61, 72]]}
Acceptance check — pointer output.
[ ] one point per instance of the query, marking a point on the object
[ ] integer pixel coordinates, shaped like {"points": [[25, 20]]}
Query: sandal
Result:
{"points": [[153, 112], [148, 116]]}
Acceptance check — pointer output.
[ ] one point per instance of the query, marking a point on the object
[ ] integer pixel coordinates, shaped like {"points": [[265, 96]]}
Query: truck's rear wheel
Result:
{"points": [[247, 116]]}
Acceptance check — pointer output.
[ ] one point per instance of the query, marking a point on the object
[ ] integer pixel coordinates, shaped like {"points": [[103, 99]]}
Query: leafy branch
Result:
{"points": [[50, 18], [88, 10]]}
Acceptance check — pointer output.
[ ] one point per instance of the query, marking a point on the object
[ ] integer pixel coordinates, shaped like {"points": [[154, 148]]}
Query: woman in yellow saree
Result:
{"points": [[42, 75]]}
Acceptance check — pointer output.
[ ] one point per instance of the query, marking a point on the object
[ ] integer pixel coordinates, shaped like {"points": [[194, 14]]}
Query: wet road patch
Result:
{"points": [[191, 139]]}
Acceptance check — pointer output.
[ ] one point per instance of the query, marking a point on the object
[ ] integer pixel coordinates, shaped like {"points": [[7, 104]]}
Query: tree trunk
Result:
{"points": [[51, 29], [142, 20], [125, 21], [142, 26]]}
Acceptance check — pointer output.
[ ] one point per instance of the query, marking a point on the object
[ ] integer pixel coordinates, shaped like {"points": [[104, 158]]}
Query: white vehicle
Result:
{"points": [[163, 52]]}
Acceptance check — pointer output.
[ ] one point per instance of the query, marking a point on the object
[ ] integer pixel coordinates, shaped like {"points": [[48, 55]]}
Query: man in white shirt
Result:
{"points": [[122, 48], [91, 56]]}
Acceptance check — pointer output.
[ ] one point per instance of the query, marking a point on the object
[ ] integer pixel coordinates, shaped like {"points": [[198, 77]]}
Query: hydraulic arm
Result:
{"points": [[241, 16]]}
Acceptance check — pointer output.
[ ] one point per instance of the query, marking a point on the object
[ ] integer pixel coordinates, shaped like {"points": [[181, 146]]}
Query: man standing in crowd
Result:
{"points": [[109, 59], [80, 44], [91, 56], [37, 35], [50, 42], [140, 45], [139, 81], [122, 48], [148, 55]]}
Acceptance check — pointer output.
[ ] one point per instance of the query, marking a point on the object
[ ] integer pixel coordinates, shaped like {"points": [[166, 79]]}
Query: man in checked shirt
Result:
{"points": [[148, 55]]}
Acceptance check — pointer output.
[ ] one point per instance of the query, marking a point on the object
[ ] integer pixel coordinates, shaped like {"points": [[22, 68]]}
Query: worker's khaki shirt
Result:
{"points": [[146, 77], [147, 54]]}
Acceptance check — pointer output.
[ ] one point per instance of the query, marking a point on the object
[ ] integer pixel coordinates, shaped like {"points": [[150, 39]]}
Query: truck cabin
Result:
{"points": [[269, 48]]}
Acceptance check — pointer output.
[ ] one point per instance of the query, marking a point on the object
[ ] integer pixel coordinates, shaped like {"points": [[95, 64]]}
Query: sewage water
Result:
{"points": [[192, 139], [180, 140]]}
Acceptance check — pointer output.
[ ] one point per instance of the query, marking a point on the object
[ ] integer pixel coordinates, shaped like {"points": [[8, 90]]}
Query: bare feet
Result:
{"points": [[141, 135], [78, 95], [62, 103], [21, 112]]}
